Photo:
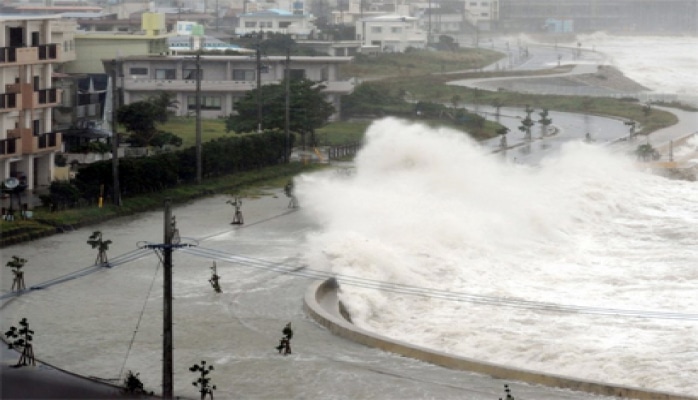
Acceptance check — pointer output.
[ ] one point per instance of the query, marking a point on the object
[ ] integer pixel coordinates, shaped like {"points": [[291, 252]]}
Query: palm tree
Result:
{"points": [[645, 152], [96, 241], [502, 132], [455, 100], [16, 264], [497, 104], [544, 121], [527, 123]]}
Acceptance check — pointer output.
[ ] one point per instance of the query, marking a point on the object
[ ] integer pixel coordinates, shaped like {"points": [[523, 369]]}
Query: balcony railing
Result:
{"points": [[32, 144], [9, 147], [29, 55], [18, 133], [13, 88]]}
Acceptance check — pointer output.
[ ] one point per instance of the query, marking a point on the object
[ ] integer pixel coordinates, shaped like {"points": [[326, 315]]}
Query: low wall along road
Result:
{"points": [[322, 304]]}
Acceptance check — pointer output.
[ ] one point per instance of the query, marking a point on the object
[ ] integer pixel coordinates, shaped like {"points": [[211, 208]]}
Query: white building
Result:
{"points": [[299, 26], [224, 79], [482, 14], [30, 49], [390, 33]]}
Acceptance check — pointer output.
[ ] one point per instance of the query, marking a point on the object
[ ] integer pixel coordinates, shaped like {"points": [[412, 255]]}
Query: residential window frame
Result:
{"points": [[165, 73], [208, 102]]}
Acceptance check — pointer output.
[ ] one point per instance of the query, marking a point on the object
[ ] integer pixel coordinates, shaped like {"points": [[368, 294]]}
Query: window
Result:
{"points": [[485, 4], [250, 24], [265, 24], [284, 24], [396, 29], [165, 73], [295, 74], [484, 14], [376, 29], [138, 71], [207, 103], [473, 4], [244, 75], [190, 73]]}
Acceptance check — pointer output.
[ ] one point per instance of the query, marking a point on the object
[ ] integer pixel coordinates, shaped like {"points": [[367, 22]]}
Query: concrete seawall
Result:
{"points": [[322, 305]]}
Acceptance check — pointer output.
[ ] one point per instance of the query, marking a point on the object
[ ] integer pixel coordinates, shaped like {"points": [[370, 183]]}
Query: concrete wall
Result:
{"points": [[321, 304]]}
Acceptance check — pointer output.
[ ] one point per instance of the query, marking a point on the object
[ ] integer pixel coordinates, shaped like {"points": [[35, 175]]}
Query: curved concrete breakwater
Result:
{"points": [[322, 304]]}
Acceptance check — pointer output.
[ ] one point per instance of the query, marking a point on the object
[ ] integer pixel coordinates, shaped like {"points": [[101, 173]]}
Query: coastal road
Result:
{"points": [[105, 323]]}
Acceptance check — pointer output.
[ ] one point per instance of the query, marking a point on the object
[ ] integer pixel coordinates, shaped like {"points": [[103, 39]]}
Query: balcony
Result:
{"points": [[29, 55], [45, 98], [32, 144], [10, 147], [8, 102], [13, 88], [8, 55], [48, 141], [48, 52]]}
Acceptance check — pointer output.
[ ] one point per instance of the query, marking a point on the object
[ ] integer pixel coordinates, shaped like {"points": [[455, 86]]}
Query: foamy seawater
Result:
{"points": [[429, 208], [665, 64]]}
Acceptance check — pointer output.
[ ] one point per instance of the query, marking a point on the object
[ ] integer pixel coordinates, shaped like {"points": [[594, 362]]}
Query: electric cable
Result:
{"points": [[140, 318], [431, 293]]}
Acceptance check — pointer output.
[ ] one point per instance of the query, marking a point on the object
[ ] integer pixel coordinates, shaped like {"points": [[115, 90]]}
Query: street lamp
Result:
{"points": [[198, 117], [116, 196]]}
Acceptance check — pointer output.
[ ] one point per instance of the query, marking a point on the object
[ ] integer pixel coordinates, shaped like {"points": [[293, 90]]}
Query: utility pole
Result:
{"points": [[171, 241], [429, 26], [198, 117], [167, 367], [259, 84], [287, 121], [116, 195], [217, 16]]}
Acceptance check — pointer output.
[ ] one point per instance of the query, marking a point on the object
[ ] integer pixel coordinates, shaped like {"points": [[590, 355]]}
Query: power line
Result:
{"points": [[350, 280]]}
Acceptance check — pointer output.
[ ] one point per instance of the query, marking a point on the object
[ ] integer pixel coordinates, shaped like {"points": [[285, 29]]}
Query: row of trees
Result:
{"points": [[222, 156]]}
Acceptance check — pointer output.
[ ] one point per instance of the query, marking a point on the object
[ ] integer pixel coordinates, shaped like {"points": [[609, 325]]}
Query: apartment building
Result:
{"points": [[390, 33], [31, 48], [296, 24], [224, 79]]}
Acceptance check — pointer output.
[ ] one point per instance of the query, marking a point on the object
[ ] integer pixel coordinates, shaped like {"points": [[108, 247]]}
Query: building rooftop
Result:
{"points": [[325, 59]]}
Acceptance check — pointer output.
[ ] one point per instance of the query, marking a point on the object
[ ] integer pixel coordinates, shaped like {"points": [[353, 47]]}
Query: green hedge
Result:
{"points": [[155, 173]]}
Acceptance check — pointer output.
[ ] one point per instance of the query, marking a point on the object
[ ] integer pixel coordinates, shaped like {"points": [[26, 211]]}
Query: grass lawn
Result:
{"points": [[185, 128], [419, 62]]}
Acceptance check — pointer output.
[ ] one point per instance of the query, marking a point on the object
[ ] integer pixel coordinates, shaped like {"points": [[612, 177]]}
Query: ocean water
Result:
{"points": [[581, 266], [665, 64]]}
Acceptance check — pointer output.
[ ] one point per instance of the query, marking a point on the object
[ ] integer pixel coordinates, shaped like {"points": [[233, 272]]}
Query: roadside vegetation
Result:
{"points": [[45, 222]]}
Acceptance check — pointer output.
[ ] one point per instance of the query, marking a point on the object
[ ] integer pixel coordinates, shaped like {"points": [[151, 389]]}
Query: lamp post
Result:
{"points": [[198, 117], [287, 119], [259, 83], [116, 196]]}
